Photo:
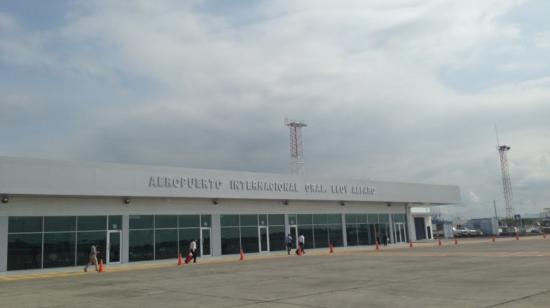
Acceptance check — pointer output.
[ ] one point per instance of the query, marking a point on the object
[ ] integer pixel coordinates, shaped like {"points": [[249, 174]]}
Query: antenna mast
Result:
{"points": [[506, 182], [296, 148]]}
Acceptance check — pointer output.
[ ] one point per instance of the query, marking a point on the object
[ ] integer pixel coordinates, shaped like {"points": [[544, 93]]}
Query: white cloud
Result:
{"points": [[366, 76], [542, 40]]}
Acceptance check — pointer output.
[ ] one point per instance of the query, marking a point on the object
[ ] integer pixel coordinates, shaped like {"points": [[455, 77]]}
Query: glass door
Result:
{"points": [[205, 242], [264, 239], [113, 247], [400, 232]]}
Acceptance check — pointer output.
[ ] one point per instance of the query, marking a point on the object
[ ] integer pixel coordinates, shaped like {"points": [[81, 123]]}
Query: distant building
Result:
{"points": [[442, 228], [489, 226]]}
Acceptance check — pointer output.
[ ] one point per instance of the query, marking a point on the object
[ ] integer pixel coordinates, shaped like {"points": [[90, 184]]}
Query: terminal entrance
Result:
{"points": [[263, 238], [113, 247], [420, 228], [205, 242], [400, 235]]}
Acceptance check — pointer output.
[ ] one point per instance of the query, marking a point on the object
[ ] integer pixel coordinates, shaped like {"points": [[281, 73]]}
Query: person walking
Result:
{"points": [[301, 243], [192, 252], [92, 259], [288, 243]]}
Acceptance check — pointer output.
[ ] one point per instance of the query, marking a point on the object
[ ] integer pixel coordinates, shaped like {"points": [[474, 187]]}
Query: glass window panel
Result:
{"points": [[276, 238], [115, 222], [372, 218], [166, 244], [59, 249], [87, 223], [334, 219], [378, 234], [262, 220], [351, 219], [320, 232], [363, 234], [361, 218], [373, 234], [249, 220], [24, 250], [307, 232], [383, 218], [305, 219], [384, 234], [292, 220], [276, 220], [166, 221], [25, 224], [230, 240], [249, 239], [186, 236], [84, 243], [336, 235], [141, 245], [229, 220], [141, 221], [351, 234], [59, 223], [189, 221], [320, 219], [206, 220]]}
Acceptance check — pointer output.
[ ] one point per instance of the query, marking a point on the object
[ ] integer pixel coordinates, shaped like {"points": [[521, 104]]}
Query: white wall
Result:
{"points": [[51, 206], [22, 176]]}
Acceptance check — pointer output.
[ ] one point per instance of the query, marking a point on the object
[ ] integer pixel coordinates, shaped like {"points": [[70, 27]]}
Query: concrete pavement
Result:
{"points": [[475, 273]]}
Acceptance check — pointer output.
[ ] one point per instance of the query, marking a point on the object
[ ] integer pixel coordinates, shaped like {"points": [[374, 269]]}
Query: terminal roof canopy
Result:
{"points": [[25, 176]]}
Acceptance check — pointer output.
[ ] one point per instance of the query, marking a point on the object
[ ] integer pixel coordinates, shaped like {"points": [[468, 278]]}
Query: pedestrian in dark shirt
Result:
{"points": [[288, 243]]}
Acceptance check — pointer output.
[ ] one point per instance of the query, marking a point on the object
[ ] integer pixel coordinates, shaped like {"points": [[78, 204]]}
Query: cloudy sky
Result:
{"points": [[403, 90]]}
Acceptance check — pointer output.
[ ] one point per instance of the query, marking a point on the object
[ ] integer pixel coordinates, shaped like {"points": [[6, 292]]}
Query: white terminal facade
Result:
{"points": [[53, 211]]}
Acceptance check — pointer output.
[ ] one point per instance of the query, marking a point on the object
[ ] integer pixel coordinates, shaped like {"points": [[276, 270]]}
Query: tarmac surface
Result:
{"points": [[474, 273]]}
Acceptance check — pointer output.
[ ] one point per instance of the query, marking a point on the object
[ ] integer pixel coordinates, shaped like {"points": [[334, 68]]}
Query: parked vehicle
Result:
{"points": [[507, 231], [534, 230], [464, 232]]}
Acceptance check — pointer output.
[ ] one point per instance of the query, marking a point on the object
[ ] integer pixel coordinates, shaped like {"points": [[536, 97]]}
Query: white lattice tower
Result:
{"points": [[506, 182], [296, 148]]}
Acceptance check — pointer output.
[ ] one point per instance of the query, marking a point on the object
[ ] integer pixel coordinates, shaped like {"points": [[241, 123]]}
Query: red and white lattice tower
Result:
{"points": [[296, 148], [506, 182]]}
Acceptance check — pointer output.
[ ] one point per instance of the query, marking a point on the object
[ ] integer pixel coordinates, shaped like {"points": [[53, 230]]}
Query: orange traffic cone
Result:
{"points": [[331, 248], [439, 242], [242, 255], [456, 241], [180, 261], [411, 244], [377, 246], [101, 267], [494, 239]]}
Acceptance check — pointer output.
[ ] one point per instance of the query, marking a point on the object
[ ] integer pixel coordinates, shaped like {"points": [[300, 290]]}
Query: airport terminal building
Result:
{"points": [[53, 211]]}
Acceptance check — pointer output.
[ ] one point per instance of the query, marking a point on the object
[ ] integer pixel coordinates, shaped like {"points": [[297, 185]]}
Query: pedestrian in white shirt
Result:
{"points": [[192, 251], [301, 243]]}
